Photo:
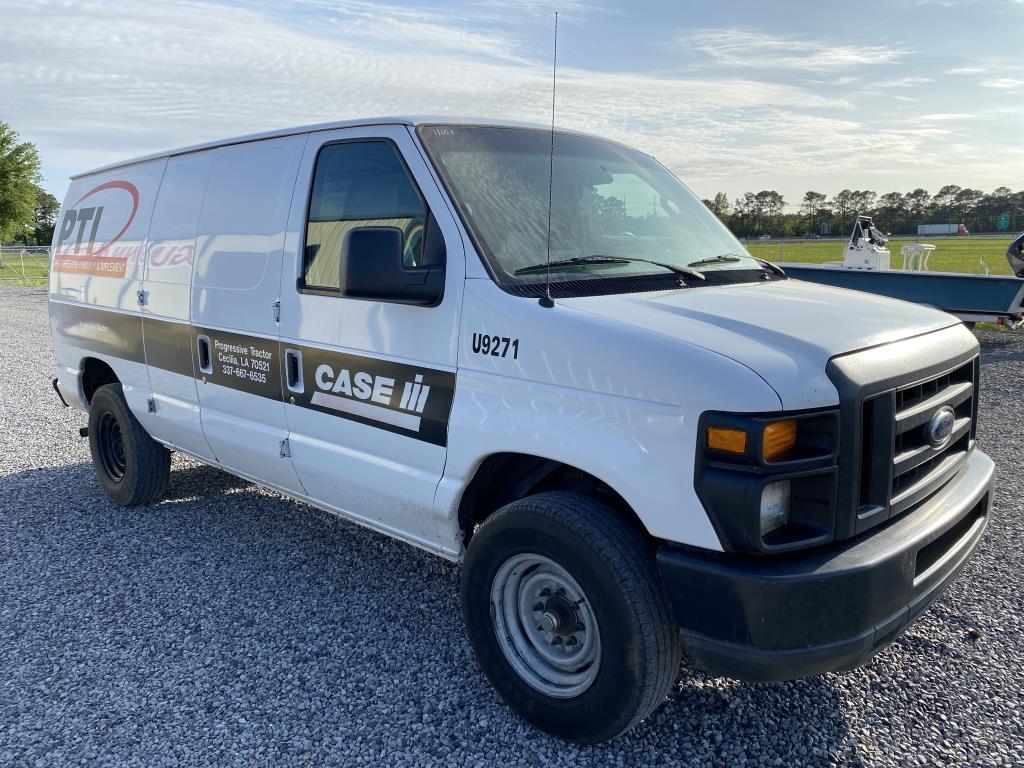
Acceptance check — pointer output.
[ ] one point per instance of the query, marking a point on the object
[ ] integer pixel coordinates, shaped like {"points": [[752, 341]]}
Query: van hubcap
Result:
{"points": [[111, 447], [545, 626]]}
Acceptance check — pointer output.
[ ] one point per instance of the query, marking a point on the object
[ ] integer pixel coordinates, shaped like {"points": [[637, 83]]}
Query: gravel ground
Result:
{"points": [[230, 626]]}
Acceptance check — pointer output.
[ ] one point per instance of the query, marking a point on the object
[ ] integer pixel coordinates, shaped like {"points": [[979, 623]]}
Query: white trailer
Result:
{"points": [[939, 229]]}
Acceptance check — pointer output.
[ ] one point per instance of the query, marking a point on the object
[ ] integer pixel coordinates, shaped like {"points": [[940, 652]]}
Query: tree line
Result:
{"points": [[763, 213], [28, 213]]}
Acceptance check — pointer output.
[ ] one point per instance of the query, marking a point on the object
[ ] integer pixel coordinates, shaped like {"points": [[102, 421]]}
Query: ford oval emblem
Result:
{"points": [[940, 428]]}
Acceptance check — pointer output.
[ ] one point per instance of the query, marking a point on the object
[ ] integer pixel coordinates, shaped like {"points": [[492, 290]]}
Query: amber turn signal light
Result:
{"points": [[779, 437], [723, 439]]}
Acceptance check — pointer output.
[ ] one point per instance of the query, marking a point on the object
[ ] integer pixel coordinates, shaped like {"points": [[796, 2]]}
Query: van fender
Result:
{"points": [[621, 441]]}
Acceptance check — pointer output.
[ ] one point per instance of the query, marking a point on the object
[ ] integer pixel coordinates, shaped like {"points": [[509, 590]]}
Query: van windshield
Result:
{"points": [[608, 203]]}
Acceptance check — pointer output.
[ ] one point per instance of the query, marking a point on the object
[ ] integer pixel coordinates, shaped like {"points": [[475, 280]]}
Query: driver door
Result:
{"points": [[369, 383]]}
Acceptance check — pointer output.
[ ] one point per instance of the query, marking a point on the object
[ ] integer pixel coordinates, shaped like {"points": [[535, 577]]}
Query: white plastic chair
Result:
{"points": [[915, 256]]}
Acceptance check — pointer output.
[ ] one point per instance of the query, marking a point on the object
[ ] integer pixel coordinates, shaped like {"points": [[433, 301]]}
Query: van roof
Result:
{"points": [[329, 126]]}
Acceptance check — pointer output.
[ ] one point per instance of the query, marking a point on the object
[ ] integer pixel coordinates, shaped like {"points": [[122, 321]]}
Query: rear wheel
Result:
{"points": [[568, 617], [131, 466]]}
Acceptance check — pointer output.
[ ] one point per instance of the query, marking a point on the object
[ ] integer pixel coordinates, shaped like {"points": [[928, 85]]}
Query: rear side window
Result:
{"points": [[358, 184]]}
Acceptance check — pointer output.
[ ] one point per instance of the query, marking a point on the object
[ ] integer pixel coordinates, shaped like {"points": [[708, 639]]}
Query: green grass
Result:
{"points": [[950, 255], [32, 271]]}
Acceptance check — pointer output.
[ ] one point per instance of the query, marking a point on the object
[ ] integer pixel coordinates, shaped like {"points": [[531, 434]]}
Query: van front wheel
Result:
{"points": [[131, 466], [568, 617]]}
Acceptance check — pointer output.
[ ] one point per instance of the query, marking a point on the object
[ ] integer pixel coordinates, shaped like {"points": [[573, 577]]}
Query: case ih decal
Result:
{"points": [[363, 394], [397, 397], [107, 208]]}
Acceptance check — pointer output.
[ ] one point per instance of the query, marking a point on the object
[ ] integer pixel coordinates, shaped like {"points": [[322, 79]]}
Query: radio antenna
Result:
{"points": [[546, 300]]}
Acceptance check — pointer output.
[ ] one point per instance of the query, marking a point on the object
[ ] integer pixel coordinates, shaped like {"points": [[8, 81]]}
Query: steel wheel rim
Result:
{"points": [[545, 626], [111, 447]]}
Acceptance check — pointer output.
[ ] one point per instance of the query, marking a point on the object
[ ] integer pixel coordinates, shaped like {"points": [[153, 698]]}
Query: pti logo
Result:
{"points": [[77, 247]]}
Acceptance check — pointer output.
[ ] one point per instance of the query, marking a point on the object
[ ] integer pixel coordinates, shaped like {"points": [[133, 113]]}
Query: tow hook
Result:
{"points": [[83, 431]]}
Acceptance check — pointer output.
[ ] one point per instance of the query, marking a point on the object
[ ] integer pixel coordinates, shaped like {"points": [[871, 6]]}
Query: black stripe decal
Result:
{"points": [[168, 345], [117, 334], [404, 399]]}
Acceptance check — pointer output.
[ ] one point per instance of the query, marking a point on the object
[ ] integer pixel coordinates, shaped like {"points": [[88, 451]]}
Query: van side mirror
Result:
{"points": [[371, 266]]}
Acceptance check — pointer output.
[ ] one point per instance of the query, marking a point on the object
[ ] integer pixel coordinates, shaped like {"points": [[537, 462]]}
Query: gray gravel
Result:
{"points": [[230, 626]]}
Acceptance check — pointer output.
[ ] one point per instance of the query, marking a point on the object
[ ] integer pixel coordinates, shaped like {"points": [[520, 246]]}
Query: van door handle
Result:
{"points": [[205, 358], [293, 370]]}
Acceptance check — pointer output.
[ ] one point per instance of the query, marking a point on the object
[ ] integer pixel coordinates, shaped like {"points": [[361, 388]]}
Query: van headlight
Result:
{"points": [[775, 506], [769, 481], [778, 439]]}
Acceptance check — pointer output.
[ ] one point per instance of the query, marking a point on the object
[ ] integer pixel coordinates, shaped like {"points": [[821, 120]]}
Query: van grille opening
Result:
{"points": [[900, 468], [919, 468]]}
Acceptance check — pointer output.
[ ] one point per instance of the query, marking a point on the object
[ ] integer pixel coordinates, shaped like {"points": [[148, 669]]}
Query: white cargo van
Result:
{"points": [[655, 445]]}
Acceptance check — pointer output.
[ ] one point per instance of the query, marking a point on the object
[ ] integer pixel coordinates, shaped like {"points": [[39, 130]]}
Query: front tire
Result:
{"points": [[130, 465], [568, 617]]}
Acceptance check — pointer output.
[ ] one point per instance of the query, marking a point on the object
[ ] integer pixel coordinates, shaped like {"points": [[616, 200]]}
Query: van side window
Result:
{"points": [[358, 184]]}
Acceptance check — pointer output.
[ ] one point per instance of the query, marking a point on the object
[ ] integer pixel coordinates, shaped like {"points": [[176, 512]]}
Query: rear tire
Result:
{"points": [[131, 466], [537, 573]]}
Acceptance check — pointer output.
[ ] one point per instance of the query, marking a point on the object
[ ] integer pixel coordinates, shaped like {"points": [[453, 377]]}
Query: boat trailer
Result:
{"points": [[973, 298]]}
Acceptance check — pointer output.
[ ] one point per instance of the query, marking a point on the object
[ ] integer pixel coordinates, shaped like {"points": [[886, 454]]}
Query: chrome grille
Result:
{"points": [[918, 468], [887, 395]]}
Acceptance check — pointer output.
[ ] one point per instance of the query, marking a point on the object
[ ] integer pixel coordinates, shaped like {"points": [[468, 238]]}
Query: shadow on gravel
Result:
{"points": [[800, 722], [228, 625], [200, 480]]}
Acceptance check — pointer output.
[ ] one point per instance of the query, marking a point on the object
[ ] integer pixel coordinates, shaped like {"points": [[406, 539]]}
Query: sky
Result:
{"points": [[731, 96]]}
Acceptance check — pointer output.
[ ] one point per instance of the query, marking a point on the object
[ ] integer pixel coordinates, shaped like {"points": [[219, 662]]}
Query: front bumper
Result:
{"points": [[828, 609]]}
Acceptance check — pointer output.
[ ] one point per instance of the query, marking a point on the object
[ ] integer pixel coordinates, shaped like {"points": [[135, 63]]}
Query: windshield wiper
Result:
{"points": [[601, 259], [729, 258], [769, 266], [723, 259]]}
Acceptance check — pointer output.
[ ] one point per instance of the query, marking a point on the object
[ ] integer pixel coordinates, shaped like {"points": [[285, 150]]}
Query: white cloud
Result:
{"points": [[924, 131], [572, 9], [1004, 83], [971, 69], [756, 50], [944, 116], [107, 84], [154, 76], [399, 26], [902, 82]]}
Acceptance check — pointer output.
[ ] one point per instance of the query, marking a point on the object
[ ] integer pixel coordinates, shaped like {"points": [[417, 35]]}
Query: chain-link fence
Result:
{"points": [[972, 254], [24, 265]]}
